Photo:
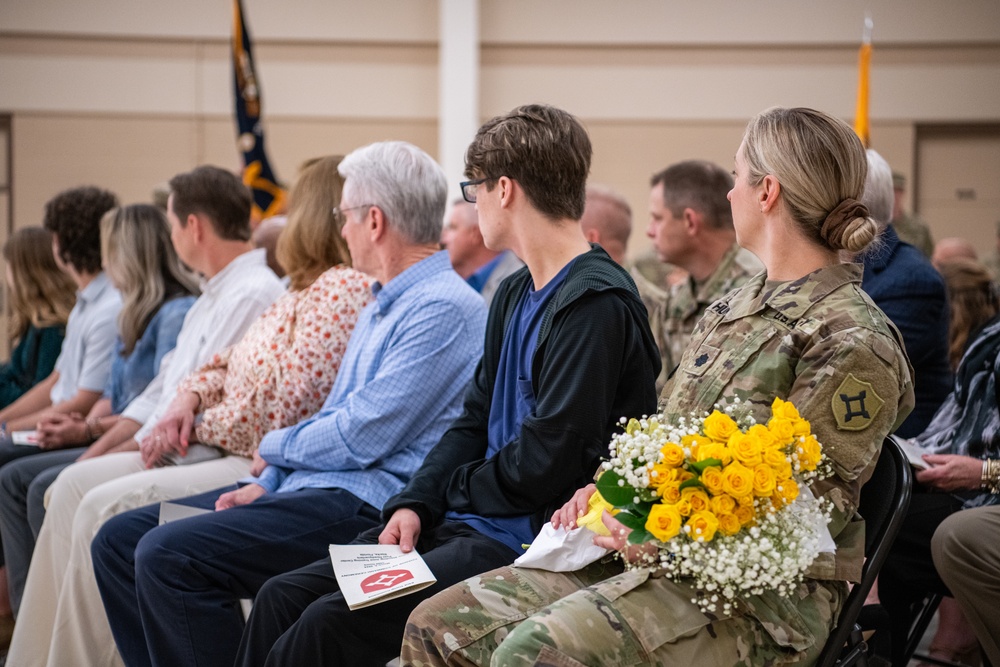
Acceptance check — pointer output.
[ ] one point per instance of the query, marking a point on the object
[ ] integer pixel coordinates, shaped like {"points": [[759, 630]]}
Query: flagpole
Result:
{"points": [[862, 124]]}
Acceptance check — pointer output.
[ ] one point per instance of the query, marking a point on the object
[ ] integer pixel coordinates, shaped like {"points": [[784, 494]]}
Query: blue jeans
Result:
{"points": [[172, 592]]}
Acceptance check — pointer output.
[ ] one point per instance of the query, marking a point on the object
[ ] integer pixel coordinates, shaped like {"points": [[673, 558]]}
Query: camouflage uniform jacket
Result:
{"points": [[821, 343], [913, 230], [675, 316]]}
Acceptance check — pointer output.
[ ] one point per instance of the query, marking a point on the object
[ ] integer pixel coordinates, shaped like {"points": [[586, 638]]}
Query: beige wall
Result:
{"points": [[125, 93]]}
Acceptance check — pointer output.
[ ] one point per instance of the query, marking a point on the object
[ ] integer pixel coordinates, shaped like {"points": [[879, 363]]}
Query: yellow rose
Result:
{"points": [[810, 453], [782, 430], [670, 493], [746, 501], [787, 489], [692, 441], [711, 477], [684, 505], [737, 480], [696, 497], [763, 436], [779, 462], [703, 526], [746, 449], [801, 427], [763, 480], [663, 522], [662, 474], [714, 450], [719, 426], [743, 514], [728, 524], [722, 504], [671, 455], [783, 409]]}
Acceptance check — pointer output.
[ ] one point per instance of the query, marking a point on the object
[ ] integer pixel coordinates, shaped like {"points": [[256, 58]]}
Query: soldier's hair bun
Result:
{"points": [[849, 226]]}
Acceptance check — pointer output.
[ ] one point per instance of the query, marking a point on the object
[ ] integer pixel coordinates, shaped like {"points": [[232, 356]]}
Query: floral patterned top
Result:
{"points": [[284, 366]]}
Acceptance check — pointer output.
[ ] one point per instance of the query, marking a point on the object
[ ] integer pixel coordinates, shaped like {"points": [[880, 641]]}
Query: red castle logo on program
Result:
{"points": [[384, 580]]}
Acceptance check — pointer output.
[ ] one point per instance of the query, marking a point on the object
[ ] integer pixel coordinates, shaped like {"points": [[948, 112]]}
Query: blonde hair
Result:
{"points": [[821, 167], [141, 261], [311, 242], [973, 301], [41, 294]]}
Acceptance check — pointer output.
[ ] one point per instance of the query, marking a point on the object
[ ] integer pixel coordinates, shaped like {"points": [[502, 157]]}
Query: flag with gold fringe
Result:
{"points": [[861, 124], [269, 198]]}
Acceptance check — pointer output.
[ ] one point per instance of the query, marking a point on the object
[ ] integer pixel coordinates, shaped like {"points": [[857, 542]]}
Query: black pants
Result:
{"points": [[300, 618], [908, 575]]}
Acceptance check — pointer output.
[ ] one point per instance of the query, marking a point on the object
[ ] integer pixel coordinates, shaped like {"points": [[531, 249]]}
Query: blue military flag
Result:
{"points": [[269, 198]]}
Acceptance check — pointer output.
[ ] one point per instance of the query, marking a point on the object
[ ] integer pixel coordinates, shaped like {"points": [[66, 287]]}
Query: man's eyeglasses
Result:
{"points": [[338, 212], [469, 189]]}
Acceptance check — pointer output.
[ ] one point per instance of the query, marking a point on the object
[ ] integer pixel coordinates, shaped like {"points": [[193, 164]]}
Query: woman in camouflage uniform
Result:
{"points": [[804, 331]]}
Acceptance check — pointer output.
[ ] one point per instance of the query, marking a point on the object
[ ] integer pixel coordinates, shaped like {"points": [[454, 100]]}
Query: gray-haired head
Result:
{"points": [[403, 181], [878, 196]]}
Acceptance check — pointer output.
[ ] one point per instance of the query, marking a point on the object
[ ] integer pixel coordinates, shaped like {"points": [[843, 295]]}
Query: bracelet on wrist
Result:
{"points": [[991, 475]]}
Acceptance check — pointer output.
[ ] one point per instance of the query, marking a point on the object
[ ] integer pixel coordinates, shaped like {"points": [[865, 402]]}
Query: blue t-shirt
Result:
{"points": [[513, 401]]}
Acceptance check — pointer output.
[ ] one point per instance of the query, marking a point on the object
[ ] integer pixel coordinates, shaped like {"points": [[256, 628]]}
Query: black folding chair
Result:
{"points": [[884, 500]]}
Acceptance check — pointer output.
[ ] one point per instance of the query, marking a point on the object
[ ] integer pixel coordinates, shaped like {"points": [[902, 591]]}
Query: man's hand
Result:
{"points": [[952, 472], [403, 529], [56, 431], [574, 509], [258, 465], [242, 496]]}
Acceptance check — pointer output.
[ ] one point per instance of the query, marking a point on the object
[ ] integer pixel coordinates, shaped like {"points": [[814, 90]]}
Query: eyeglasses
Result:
{"points": [[469, 189], [338, 212]]}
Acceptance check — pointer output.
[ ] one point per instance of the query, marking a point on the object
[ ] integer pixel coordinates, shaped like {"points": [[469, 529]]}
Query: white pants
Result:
{"points": [[62, 620]]}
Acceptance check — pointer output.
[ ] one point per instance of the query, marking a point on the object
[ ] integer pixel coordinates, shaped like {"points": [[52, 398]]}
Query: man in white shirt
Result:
{"points": [[209, 213]]}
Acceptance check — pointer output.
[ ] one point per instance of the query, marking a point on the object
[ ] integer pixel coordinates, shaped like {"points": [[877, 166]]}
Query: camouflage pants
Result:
{"points": [[514, 616]]}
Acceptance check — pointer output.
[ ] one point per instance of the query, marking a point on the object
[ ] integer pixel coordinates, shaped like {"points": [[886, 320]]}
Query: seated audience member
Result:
{"points": [[405, 370], [973, 301], [73, 217], [41, 298], [483, 268], [908, 574], [266, 236], [901, 282], [156, 293], [607, 221], [950, 248], [574, 325], [209, 211], [798, 176], [691, 226], [992, 261], [909, 226], [965, 552]]}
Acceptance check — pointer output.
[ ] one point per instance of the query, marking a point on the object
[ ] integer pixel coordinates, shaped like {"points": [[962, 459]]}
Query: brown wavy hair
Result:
{"points": [[41, 294], [311, 242], [973, 299]]}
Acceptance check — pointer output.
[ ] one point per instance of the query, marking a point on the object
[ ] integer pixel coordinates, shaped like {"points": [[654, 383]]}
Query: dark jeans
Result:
{"points": [[172, 592], [908, 575], [23, 483], [300, 618]]}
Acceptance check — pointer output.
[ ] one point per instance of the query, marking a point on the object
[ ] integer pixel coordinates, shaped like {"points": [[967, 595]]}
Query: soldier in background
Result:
{"points": [[909, 227]]}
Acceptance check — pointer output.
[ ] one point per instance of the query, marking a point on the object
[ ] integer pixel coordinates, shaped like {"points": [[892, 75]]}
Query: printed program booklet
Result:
{"points": [[27, 438], [373, 573]]}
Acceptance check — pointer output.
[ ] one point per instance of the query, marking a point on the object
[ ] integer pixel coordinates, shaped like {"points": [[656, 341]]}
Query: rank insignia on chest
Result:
{"points": [[855, 404], [701, 361]]}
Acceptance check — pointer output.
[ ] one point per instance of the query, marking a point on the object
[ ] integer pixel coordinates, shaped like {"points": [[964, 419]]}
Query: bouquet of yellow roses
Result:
{"points": [[725, 499]]}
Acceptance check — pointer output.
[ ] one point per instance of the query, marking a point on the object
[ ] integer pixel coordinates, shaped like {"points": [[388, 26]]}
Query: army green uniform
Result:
{"points": [[818, 342], [673, 317], [913, 230]]}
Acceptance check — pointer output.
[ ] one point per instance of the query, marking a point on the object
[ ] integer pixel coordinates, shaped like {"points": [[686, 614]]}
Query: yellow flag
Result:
{"points": [[861, 125]]}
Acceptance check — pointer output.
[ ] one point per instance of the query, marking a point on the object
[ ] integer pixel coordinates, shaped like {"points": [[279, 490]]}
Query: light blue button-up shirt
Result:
{"points": [[401, 383]]}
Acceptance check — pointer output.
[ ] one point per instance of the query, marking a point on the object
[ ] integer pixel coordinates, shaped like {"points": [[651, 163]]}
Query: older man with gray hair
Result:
{"points": [[172, 592], [902, 282]]}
